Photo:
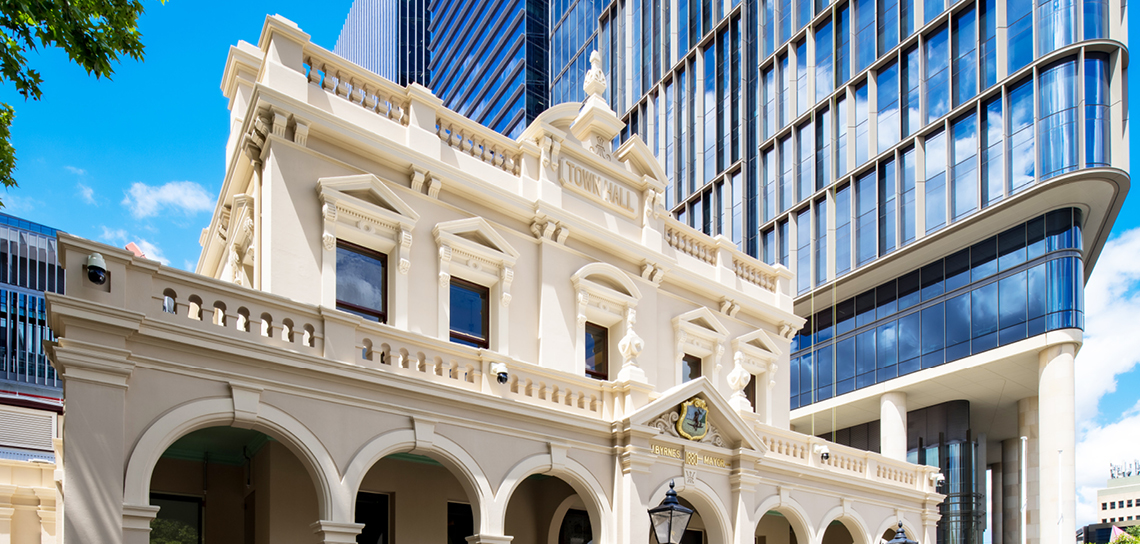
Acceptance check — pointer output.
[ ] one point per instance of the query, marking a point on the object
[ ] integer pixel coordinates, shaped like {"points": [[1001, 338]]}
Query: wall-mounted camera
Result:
{"points": [[823, 451], [500, 371], [96, 269]]}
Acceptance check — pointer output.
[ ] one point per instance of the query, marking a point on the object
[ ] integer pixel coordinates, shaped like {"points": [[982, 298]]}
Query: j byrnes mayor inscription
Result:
{"points": [[597, 188]]}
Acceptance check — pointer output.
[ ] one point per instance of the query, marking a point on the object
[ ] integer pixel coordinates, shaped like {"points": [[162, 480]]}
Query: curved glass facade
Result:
{"points": [[1018, 284]]}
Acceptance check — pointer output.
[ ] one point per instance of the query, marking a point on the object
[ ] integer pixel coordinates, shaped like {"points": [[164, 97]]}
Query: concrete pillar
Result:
{"points": [[1029, 428], [980, 479], [892, 418], [996, 510], [1011, 491], [1057, 443]]}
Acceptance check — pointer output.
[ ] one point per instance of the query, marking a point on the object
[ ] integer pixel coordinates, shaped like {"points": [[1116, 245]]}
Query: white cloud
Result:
{"points": [[76, 171], [86, 193], [186, 197], [1111, 348], [121, 238], [1112, 443], [152, 251], [189, 265]]}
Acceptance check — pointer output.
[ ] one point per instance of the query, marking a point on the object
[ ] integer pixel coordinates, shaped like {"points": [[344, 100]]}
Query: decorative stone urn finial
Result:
{"points": [[595, 84]]}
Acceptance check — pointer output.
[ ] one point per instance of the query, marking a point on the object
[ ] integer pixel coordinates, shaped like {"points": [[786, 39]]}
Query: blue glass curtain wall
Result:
{"points": [[1018, 284]]}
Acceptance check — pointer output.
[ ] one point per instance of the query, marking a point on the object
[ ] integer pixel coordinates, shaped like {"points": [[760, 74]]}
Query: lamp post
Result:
{"points": [[900, 537], [670, 518]]}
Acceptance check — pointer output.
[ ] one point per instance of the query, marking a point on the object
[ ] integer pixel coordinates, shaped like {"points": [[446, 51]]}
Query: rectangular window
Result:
{"points": [[670, 147], [785, 243], [1058, 123], [887, 81], [842, 45], [1022, 152], [785, 76], [1057, 23], [864, 34], [787, 168], [993, 165], [770, 161], [597, 351], [684, 129], [804, 178], [373, 511], [841, 128], [1019, 17], [1096, 110], [823, 133], [908, 211], [768, 27], [803, 251], [802, 100], [803, 13], [769, 238], [785, 20], [935, 181], [933, 8], [937, 75], [862, 125], [912, 92], [965, 57], [964, 200], [824, 71], [769, 77], [690, 368], [888, 189], [361, 281], [710, 117], [737, 209], [906, 18], [682, 28], [987, 49], [888, 25], [460, 523], [736, 87], [865, 231], [470, 313], [820, 241]]}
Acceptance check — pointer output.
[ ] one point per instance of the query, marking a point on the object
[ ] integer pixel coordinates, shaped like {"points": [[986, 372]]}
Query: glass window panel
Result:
{"points": [[909, 290], [1012, 299], [1011, 248], [1057, 21], [802, 100], [912, 92], [787, 171], [785, 243], [887, 204], [845, 317], [887, 125], [958, 270], [886, 300], [825, 373], [866, 233], [958, 319], [865, 308], [469, 313], [888, 25], [1021, 146], [864, 34], [843, 230], [992, 146], [1058, 124], [361, 282], [842, 45], [964, 199], [1096, 19], [841, 128], [597, 351], [1096, 108], [805, 180], [845, 359], [933, 8], [823, 132], [824, 70], [965, 51], [887, 352], [907, 208], [987, 15], [984, 310], [862, 125], [1019, 17], [983, 259], [785, 76], [937, 74], [821, 241], [932, 329], [909, 335], [807, 368], [823, 327], [935, 181], [865, 353], [932, 284], [803, 251]]}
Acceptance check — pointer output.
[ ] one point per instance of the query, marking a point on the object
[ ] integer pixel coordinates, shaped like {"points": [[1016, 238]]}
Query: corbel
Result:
{"points": [[405, 250], [280, 123], [300, 132], [444, 265], [434, 185], [418, 177], [563, 234], [583, 302], [507, 275]]}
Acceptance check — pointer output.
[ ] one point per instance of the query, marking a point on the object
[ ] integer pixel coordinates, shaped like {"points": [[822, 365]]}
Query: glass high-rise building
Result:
{"points": [[939, 175], [388, 37], [28, 268]]}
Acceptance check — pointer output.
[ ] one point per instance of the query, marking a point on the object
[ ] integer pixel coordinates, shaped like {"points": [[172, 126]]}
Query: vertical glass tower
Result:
{"points": [[388, 37], [28, 269], [489, 60], [939, 175]]}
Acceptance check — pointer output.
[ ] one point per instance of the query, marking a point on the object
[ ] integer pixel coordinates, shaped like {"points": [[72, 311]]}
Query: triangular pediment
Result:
{"points": [[641, 160], [704, 319], [758, 340], [476, 231], [732, 429], [367, 192]]}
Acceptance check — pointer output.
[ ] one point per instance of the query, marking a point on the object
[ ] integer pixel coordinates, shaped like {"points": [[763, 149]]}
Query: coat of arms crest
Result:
{"points": [[693, 423]]}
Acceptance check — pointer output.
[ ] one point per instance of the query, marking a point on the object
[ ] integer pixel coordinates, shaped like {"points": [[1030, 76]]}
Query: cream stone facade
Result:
{"points": [[244, 399]]}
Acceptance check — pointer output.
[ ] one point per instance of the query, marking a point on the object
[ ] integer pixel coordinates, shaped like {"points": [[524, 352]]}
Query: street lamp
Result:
{"points": [[900, 537], [670, 518]]}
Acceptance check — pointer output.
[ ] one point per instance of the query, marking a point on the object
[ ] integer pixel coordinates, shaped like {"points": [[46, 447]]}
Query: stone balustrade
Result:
{"points": [[802, 450], [478, 141], [721, 252], [355, 84]]}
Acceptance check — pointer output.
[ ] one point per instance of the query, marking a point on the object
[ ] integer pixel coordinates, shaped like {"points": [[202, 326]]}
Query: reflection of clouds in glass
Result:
{"points": [[965, 138], [935, 154]]}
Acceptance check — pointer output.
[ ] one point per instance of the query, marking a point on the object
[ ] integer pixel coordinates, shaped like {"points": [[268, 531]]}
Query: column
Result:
{"points": [[1057, 442], [1011, 491], [332, 532], [892, 421], [980, 479], [996, 511], [1028, 429]]}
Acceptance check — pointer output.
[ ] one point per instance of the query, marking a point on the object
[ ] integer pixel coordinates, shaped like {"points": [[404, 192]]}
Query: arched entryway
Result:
{"points": [[837, 532], [545, 509], [224, 484], [412, 497], [709, 523], [781, 526]]}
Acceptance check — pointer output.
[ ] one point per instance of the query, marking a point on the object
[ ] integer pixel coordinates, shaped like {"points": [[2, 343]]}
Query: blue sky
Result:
{"points": [[140, 159]]}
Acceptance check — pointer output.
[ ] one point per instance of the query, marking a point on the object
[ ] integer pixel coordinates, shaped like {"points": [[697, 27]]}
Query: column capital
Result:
{"points": [[335, 532], [137, 517], [489, 539]]}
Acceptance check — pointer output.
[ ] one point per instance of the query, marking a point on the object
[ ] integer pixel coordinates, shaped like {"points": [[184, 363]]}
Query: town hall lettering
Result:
{"points": [[597, 187]]}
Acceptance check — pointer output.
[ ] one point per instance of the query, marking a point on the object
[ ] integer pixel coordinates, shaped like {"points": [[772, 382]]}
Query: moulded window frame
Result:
{"points": [[485, 291], [705, 341], [610, 304], [381, 313], [488, 263]]}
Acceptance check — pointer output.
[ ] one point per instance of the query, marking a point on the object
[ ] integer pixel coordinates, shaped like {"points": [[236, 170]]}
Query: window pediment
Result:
{"points": [[365, 211], [699, 333], [755, 351], [477, 252], [604, 294]]}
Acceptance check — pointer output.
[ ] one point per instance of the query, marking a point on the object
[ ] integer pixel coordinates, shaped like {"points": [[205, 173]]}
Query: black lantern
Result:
{"points": [[900, 537], [670, 519]]}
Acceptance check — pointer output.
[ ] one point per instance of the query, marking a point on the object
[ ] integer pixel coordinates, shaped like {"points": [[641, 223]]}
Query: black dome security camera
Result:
{"points": [[96, 269]]}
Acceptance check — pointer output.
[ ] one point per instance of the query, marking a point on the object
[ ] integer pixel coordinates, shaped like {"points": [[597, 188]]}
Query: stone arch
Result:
{"points": [[851, 520], [611, 277], [219, 412], [891, 523], [560, 515], [451, 455], [797, 517], [712, 509], [573, 473]]}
